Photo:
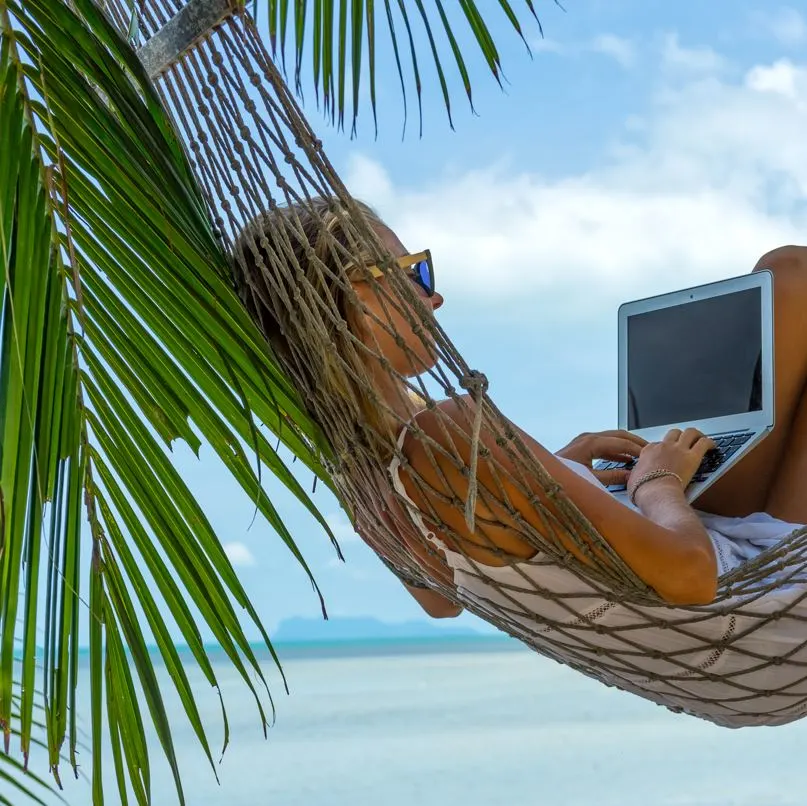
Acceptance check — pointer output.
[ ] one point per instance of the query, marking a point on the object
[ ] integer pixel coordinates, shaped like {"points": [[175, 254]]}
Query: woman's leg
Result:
{"points": [[787, 498], [766, 476]]}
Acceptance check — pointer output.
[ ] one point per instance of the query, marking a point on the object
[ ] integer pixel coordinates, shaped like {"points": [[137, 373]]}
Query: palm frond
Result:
{"points": [[343, 40], [120, 334], [25, 787]]}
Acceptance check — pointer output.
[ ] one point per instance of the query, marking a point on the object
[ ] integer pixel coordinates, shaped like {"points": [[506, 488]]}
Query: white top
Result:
{"points": [[711, 673]]}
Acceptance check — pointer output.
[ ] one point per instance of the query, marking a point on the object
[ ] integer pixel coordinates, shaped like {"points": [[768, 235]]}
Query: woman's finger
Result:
{"points": [[703, 446], [690, 437], [615, 448], [617, 476], [622, 434], [673, 435]]}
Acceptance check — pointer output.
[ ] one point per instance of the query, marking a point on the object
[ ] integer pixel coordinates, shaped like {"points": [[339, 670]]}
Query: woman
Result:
{"points": [[672, 548]]}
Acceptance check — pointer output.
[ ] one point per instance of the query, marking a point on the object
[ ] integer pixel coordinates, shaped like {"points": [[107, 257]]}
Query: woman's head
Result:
{"points": [[384, 325], [325, 299]]}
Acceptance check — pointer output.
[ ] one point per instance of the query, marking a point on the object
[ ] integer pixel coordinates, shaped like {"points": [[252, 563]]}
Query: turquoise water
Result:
{"points": [[478, 725]]}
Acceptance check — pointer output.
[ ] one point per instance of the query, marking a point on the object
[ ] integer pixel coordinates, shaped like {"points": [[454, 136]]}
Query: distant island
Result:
{"points": [[312, 630]]}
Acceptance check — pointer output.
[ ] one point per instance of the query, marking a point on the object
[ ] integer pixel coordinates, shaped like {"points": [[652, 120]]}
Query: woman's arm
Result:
{"points": [[433, 603], [667, 547]]}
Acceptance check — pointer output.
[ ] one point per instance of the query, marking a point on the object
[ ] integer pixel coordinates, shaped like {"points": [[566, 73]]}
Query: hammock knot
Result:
{"points": [[475, 383]]}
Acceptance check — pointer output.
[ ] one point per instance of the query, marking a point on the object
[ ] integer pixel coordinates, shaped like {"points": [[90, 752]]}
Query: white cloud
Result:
{"points": [[785, 24], [619, 49], [781, 77], [239, 554], [713, 176], [350, 569], [691, 59], [544, 45], [341, 528]]}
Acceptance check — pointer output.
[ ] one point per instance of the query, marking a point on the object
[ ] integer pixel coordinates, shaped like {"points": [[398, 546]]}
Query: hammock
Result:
{"points": [[253, 152]]}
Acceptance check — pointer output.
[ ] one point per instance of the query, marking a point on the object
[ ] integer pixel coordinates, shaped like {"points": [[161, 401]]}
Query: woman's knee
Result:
{"points": [[784, 260]]}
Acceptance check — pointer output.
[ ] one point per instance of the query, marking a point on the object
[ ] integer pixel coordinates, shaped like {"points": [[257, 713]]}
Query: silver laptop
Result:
{"points": [[700, 358]]}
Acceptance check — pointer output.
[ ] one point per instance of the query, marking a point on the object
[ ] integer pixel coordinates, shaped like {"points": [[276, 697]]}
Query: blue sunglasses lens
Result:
{"points": [[424, 277]]}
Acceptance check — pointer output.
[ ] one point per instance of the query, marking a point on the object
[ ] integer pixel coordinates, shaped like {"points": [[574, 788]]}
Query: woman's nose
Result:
{"points": [[437, 300]]}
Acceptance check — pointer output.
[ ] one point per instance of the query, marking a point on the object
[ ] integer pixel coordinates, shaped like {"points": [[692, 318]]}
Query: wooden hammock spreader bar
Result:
{"points": [[196, 20]]}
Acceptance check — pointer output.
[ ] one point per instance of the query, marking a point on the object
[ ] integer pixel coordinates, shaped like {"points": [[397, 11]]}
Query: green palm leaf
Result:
{"points": [[343, 42], [120, 333]]}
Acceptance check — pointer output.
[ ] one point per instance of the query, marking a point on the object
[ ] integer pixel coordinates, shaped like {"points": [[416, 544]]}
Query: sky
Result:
{"points": [[644, 147]]}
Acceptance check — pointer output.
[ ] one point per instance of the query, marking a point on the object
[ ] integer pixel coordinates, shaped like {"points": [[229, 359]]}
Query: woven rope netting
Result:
{"points": [[263, 170]]}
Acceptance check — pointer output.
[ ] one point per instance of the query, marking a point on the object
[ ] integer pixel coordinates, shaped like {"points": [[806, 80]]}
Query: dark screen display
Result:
{"points": [[697, 360]]}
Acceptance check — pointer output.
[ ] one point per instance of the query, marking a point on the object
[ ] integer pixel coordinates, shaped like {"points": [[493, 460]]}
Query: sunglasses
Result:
{"points": [[418, 266]]}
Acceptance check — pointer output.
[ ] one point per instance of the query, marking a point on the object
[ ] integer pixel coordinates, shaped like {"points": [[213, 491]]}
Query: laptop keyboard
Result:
{"points": [[726, 446]]}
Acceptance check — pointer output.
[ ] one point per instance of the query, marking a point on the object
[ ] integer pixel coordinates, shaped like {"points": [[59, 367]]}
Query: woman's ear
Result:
{"points": [[356, 314]]}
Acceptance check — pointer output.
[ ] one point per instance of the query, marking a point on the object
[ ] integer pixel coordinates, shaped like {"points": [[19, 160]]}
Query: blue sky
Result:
{"points": [[645, 147]]}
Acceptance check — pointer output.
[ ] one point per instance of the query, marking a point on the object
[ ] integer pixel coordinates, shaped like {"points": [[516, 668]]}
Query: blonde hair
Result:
{"points": [[293, 270]]}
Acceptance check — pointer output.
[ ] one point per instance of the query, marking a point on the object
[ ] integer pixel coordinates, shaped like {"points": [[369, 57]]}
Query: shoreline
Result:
{"points": [[369, 647], [359, 647]]}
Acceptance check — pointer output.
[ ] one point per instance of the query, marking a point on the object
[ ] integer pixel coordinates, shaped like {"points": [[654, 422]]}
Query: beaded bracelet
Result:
{"points": [[652, 476]]}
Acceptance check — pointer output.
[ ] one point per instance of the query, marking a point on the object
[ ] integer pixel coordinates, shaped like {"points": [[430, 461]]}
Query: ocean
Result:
{"points": [[477, 722]]}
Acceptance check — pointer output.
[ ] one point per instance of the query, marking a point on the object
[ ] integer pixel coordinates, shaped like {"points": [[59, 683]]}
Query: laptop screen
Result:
{"points": [[696, 360]]}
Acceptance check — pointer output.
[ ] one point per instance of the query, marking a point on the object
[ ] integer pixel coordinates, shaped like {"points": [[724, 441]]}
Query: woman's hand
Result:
{"points": [[616, 446], [680, 452]]}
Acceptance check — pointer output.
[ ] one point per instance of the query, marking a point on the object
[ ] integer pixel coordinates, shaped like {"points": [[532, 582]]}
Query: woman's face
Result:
{"points": [[415, 356]]}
